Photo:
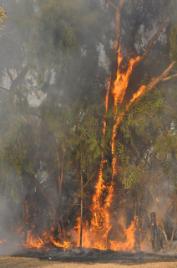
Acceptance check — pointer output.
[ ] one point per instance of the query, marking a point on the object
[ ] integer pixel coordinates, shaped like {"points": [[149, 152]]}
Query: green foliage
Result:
{"points": [[131, 176], [76, 134], [19, 150], [169, 141]]}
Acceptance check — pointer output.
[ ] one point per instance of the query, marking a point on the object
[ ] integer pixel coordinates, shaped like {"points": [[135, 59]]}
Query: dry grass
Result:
{"points": [[8, 262]]}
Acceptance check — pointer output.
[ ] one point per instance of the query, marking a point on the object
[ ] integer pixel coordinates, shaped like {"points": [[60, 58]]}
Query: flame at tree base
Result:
{"points": [[93, 238], [99, 239], [43, 241]]}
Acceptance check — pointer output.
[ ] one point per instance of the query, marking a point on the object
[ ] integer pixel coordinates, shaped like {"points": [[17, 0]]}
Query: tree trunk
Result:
{"points": [[81, 212], [155, 234]]}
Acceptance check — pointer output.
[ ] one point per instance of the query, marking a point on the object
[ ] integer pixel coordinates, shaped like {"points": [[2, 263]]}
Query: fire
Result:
{"points": [[33, 241], [96, 238], [129, 243], [46, 239], [96, 232], [119, 90], [138, 94], [122, 79]]}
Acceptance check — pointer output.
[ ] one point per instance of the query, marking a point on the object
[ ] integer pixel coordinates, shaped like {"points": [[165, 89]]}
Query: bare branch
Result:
{"points": [[154, 38], [161, 77], [120, 6], [111, 3], [153, 41], [10, 75], [170, 77], [118, 10]]}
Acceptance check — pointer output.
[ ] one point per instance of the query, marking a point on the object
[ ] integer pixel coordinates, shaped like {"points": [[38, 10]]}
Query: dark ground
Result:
{"points": [[54, 258]]}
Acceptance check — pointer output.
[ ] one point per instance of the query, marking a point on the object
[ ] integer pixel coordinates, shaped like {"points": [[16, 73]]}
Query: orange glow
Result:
{"points": [[119, 90], [96, 234], [107, 95], [96, 238], [122, 79], [96, 231], [129, 242], [2, 242], [141, 91], [33, 241], [38, 242]]}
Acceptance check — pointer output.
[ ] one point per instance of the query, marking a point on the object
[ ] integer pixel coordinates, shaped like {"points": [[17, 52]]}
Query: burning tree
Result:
{"points": [[118, 105], [59, 150]]}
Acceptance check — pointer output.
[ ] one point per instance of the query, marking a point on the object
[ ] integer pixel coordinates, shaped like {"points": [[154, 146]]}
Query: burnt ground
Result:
{"points": [[53, 258], [94, 255]]}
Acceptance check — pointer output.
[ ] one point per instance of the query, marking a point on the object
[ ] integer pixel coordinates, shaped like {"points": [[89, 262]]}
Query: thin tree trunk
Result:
{"points": [[61, 177], [81, 212], [173, 234]]}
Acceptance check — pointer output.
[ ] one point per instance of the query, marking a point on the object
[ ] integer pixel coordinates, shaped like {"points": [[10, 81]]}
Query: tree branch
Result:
{"points": [[118, 10], [170, 77], [151, 85], [19, 78], [142, 90], [10, 75], [111, 3], [120, 6], [154, 38], [153, 41]]}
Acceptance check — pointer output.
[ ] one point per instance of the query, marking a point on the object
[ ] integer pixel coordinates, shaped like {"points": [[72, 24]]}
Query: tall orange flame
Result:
{"points": [[119, 90], [97, 235]]}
